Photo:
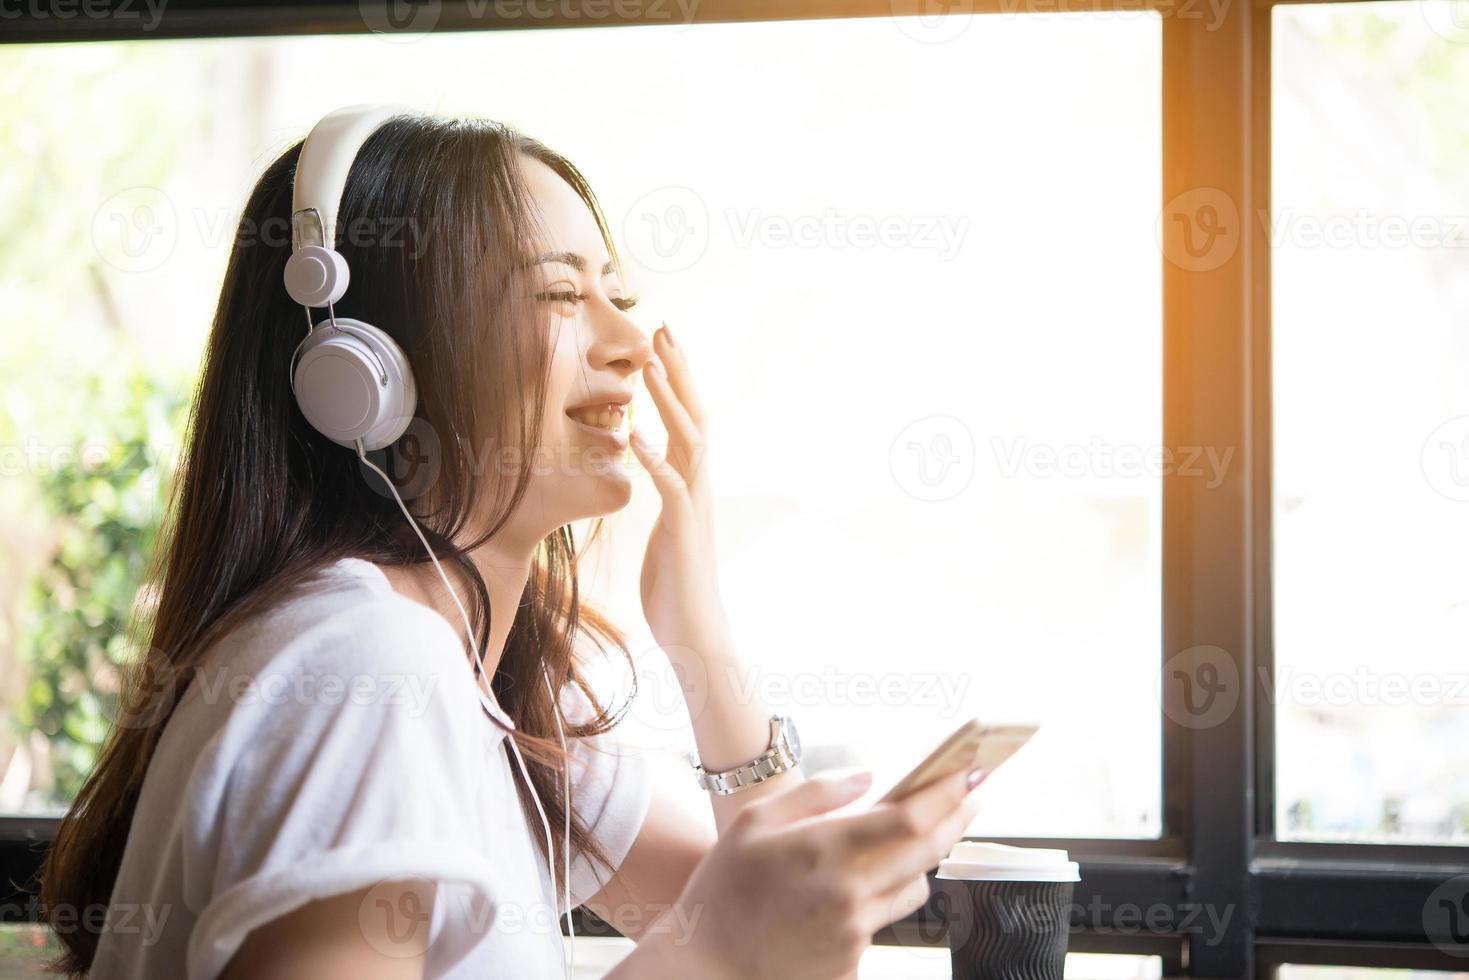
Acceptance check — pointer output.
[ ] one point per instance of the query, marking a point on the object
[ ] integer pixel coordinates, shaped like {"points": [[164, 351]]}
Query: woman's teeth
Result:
{"points": [[600, 416]]}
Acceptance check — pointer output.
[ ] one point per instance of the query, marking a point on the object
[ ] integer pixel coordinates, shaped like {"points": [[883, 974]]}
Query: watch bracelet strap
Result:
{"points": [[764, 766]]}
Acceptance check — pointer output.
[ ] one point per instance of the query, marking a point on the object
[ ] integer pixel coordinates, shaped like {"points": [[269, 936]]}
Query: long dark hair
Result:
{"points": [[435, 216]]}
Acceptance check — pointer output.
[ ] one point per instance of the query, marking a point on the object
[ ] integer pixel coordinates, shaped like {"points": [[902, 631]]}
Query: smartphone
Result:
{"points": [[971, 746]]}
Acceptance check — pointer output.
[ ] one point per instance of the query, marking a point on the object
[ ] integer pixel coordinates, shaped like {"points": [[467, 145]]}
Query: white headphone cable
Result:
{"points": [[468, 632], [525, 772], [566, 814], [566, 849]]}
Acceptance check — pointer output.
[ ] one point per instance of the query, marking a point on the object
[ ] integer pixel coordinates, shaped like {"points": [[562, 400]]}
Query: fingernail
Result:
{"points": [[975, 778], [668, 334], [657, 367], [858, 781]]}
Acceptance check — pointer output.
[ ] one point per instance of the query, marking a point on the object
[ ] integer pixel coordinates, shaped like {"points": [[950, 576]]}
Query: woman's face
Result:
{"points": [[597, 352]]}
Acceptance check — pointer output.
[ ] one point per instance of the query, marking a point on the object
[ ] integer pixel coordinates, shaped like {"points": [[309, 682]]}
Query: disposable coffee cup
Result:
{"points": [[1008, 910]]}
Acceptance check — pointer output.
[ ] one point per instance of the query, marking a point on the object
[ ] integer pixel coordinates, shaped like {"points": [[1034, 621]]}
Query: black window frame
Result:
{"points": [[1290, 902]]}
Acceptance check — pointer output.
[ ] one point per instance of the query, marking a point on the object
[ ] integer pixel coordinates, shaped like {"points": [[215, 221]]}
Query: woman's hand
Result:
{"points": [[793, 891], [680, 587], [680, 590]]}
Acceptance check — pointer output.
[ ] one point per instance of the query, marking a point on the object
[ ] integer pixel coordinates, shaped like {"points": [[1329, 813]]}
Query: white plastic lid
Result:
{"points": [[977, 861]]}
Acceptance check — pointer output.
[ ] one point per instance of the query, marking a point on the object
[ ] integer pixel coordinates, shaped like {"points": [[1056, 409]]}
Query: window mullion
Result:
{"points": [[1207, 582]]}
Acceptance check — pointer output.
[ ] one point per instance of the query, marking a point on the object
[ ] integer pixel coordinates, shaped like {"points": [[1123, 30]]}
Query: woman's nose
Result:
{"points": [[618, 343]]}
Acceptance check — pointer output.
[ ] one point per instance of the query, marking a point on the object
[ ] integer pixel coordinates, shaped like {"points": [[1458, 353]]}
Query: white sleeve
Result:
{"points": [[363, 767], [611, 787]]}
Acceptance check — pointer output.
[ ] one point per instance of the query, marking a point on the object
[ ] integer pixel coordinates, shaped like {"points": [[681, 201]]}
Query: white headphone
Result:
{"points": [[352, 381]]}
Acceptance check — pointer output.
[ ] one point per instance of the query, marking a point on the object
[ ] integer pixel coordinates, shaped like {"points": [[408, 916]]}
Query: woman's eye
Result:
{"points": [[567, 295]]}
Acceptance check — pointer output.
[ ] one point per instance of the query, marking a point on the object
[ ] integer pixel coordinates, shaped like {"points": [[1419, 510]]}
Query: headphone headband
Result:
{"points": [[326, 159]]}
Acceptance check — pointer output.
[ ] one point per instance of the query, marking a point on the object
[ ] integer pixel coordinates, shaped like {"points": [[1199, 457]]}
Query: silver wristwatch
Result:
{"points": [[784, 753]]}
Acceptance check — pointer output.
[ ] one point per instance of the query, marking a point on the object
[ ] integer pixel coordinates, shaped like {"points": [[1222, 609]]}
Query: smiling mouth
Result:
{"points": [[606, 417]]}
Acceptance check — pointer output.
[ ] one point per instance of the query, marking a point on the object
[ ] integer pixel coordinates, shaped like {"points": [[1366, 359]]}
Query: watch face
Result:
{"points": [[793, 741]]}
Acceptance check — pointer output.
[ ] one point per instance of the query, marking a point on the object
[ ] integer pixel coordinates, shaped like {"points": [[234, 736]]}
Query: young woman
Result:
{"points": [[310, 778]]}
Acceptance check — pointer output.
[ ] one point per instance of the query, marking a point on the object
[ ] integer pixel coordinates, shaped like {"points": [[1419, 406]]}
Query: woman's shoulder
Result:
{"points": [[344, 635], [348, 611], [347, 675], [331, 742]]}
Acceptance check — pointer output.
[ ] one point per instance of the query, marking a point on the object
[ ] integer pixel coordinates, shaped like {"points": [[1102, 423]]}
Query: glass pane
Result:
{"points": [[1370, 229], [923, 304], [934, 489]]}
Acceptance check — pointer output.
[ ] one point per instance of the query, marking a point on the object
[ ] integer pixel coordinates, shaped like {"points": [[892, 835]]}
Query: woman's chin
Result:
{"points": [[610, 490], [582, 494]]}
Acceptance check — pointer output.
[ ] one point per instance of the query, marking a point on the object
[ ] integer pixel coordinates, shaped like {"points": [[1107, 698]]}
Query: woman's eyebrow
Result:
{"points": [[577, 262]]}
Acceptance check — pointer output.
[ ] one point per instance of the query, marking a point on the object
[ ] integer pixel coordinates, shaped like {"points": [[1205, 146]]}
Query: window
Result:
{"points": [[896, 346], [1370, 238], [1107, 355], [939, 491]]}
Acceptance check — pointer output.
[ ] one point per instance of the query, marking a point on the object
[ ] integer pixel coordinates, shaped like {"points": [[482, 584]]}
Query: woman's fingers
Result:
{"points": [[666, 479], [891, 845], [684, 439], [910, 895], [807, 798], [895, 864], [679, 377], [915, 815]]}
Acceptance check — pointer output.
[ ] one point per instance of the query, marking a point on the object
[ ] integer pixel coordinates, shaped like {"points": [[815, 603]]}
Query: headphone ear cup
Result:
{"points": [[353, 382], [316, 276]]}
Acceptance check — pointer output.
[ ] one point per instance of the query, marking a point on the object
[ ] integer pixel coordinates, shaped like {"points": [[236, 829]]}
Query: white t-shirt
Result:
{"points": [[334, 743]]}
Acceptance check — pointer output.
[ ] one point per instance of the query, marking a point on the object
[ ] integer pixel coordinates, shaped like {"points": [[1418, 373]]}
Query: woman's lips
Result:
{"points": [[605, 416], [609, 424]]}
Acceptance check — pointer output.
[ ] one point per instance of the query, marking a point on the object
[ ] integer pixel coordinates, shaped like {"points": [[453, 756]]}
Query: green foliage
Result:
{"points": [[107, 495], [1394, 48], [45, 175], [26, 949], [87, 461]]}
